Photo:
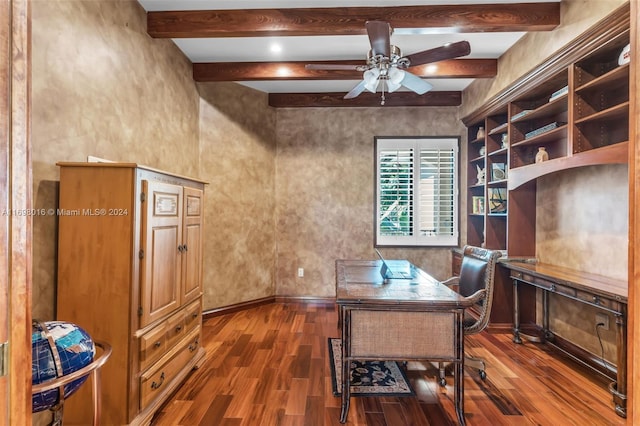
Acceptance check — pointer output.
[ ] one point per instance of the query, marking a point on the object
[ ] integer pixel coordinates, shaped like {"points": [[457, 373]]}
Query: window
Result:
{"points": [[416, 191]]}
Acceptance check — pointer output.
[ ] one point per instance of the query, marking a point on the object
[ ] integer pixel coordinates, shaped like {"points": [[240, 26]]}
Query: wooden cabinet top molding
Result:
{"points": [[126, 165]]}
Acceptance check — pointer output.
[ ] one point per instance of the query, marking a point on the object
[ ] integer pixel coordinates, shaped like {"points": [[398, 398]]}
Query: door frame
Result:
{"points": [[633, 316], [15, 204]]}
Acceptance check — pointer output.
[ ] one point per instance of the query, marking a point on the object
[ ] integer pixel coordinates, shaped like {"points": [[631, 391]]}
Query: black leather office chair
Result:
{"points": [[476, 281]]}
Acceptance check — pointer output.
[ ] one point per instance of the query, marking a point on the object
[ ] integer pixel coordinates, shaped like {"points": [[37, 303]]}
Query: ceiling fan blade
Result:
{"points": [[415, 83], [335, 67], [448, 51], [380, 37], [355, 91]]}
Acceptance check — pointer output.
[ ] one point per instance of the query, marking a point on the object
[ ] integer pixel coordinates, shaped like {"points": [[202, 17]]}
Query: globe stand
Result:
{"points": [[57, 411], [92, 368]]}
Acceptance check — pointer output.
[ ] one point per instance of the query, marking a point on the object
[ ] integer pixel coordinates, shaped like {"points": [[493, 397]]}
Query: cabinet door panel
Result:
{"points": [[161, 239], [192, 237]]}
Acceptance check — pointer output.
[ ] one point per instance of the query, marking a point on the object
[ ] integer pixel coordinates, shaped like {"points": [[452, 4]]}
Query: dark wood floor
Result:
{"points": [[269, 366]]}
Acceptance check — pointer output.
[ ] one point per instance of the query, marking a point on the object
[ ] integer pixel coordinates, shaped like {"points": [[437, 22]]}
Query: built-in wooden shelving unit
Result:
{"points": [[575, 106]]}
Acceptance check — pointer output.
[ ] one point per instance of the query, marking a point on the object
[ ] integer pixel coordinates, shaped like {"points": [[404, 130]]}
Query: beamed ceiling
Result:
{"points": [[226, 43]]}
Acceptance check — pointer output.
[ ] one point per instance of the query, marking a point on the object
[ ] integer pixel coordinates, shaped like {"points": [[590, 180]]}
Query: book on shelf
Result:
{"points": [[522, 113], [559, 93], [497, 200], [498, 128], [477, 204], [542, 130]]}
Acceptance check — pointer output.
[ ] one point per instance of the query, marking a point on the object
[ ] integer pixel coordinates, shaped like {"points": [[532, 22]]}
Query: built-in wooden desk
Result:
{"points": [[595, 290], [417, 319]]}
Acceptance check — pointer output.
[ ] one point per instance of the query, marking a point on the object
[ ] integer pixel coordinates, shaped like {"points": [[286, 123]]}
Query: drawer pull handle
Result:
{"points": [[178, 328], [194, 315], [193, 346], [157, 344], [155, 385], [596, 300]]}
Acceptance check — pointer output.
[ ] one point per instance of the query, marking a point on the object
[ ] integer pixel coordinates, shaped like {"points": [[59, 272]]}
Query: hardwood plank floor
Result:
{"points": [[269, 366]]}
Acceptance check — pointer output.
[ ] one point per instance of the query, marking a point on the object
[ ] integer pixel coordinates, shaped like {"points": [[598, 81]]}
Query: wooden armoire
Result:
{"points": [[130, 274]]}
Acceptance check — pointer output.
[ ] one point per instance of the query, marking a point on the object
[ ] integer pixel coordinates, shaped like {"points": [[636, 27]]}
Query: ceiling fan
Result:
{"points": [[385, 64]]}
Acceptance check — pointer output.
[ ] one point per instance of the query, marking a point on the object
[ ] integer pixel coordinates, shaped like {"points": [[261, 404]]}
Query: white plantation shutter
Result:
{"points": [[417, 191], [396, 192]]}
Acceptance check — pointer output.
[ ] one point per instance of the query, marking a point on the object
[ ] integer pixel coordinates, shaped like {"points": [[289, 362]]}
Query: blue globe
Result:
{"points": [[76, 350]]}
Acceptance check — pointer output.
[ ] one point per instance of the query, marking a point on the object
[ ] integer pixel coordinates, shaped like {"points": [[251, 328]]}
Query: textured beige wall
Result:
{"points": [[102, 87], [238, 148], [582, 223], [324, 190], [582, 220]]}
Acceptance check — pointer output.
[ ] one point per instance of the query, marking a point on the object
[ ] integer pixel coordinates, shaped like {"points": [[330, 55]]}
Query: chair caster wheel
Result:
{"points": [[483, 374], [443, 382]]}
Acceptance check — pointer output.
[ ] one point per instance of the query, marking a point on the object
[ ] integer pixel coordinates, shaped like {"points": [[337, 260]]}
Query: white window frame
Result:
{"points": [[416, 144]]}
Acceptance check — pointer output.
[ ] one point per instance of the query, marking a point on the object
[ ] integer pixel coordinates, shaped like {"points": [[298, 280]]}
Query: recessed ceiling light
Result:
{"points": [[283, 72], [275, 48], [431, 69]]}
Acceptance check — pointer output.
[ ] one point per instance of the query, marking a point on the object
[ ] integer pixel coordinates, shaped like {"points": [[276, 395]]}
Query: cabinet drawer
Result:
{"points": [[175, 328], [192, 315], [154, 381], [152, 346]]}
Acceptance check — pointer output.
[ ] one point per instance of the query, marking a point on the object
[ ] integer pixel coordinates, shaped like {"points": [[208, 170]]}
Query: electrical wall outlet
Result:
{"points": [[300, 272], [603, 319]]}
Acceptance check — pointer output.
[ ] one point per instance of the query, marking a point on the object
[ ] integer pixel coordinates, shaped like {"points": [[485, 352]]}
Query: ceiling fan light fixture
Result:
{"points": [[371, 79], [394, 82]]}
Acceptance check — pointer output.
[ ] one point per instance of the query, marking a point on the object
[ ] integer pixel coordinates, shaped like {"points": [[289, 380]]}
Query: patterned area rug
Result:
{"points": [[368, 378]]}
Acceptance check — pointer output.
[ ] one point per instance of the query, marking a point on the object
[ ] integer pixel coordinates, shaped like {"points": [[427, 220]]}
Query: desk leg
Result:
{"points": [[346, 391], [459, 392], [546, 334], [458, 372], [516, 313], [346, 364], [619, 388]]}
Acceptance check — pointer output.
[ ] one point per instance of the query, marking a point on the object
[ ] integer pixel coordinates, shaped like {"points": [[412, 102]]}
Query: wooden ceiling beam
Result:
{"points": [[366, 99], [351, 20], [255, 71]]}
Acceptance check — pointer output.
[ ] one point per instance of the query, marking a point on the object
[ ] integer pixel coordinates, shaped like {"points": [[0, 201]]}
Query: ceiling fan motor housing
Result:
{"points": [[383, 63]]}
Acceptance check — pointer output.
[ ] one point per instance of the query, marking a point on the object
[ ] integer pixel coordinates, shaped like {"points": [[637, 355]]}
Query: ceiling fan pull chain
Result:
{"points": [[382, 100]]}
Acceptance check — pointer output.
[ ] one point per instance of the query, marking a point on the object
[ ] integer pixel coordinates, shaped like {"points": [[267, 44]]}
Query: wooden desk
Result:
{"points": [[601, 292], [418, 319]]}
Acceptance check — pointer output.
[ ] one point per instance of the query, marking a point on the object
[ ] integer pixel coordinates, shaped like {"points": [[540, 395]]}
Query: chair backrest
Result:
{"points": [[477, 272]]}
